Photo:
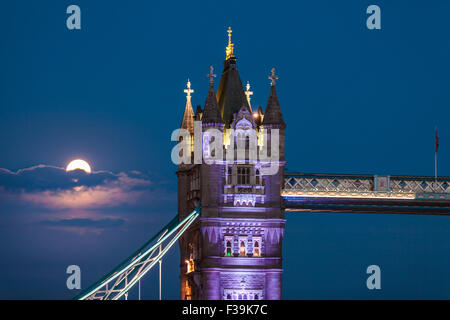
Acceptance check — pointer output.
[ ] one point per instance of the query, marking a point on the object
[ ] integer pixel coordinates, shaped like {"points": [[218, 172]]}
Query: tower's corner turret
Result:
{"points": [[273, 115]]}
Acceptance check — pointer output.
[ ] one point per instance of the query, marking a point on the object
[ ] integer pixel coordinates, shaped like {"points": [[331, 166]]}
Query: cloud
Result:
{"points": [[45, 177], [84, 223], [54, 188]]}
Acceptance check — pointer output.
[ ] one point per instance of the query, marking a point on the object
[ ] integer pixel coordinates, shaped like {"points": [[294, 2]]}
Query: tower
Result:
{"points": [[234, 250]]}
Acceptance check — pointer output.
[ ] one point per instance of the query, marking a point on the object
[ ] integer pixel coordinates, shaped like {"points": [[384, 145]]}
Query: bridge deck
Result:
{"points": [[366, 193]]}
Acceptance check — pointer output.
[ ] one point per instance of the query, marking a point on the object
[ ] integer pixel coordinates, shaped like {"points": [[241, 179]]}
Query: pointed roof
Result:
{"points": [[198, 113], [211, 111], [273, 113], [230, 95], [188, 117]]}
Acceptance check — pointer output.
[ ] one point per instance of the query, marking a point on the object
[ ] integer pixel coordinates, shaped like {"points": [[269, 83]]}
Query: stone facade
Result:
{"points": [[234, 250]]}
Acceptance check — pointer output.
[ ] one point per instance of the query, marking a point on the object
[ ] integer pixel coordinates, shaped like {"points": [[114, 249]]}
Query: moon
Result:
{"points": [[78, 164]]}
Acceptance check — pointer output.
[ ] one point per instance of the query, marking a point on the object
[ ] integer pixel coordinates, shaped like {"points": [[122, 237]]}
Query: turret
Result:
{"points": [[211, 114], [273, 118], [273, 115], [188, 116]]}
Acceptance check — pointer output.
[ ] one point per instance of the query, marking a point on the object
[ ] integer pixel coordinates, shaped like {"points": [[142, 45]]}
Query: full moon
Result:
{"points": [[78, 164]]}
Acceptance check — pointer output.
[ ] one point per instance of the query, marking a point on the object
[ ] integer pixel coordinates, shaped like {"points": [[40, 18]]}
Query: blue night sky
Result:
{"points": [[354, 101]]}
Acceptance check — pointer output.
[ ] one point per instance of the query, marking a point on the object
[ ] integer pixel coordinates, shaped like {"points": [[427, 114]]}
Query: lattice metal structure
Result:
{"points": [[121, 279], [366, 186]]}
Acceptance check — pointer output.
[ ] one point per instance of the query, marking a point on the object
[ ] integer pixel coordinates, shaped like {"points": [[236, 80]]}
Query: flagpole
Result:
{"points": [[435, 153], [435, 166]]}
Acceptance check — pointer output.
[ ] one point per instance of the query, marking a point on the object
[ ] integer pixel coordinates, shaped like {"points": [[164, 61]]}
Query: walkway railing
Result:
{"points": [[122, 278]]}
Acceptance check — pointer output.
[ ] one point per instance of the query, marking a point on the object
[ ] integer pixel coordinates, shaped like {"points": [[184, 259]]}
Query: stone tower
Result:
{"points": [[234, 250]]}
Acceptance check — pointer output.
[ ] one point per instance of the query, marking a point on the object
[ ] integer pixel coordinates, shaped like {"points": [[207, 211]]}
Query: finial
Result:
{"points": [[211, 75], [273, 77], [230, 47], [188, 91], [248, 93]]}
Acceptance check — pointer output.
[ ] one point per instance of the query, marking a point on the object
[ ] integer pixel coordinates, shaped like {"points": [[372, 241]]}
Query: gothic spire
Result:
{"points": [[273, 113], [211, 112], [188, 117], [230, 48], [230, 95]]}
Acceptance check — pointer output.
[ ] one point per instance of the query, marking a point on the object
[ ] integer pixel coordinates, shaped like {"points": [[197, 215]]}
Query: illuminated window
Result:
{"points": [[190, 267], [188, 293], [228, 246], [228, 253], [256, 246], [242, 246]]}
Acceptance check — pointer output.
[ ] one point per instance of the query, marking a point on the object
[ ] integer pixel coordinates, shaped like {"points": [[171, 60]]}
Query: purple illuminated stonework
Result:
{"points": [[234, 250]]}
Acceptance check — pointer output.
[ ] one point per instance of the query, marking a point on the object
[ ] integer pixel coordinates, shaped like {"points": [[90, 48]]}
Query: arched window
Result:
{"points": [[228, 296], [256, 246], [228, 248], [256, 297], [228, 241], [242, 249], [240, 141], [257, 177], [256, 251]]}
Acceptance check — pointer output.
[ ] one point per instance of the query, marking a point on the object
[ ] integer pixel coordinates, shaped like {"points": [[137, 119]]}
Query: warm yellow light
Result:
{"points": [[343, 194], [79, 164], [230, 47], [190, 265], [226, 137], [260, 137]]}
